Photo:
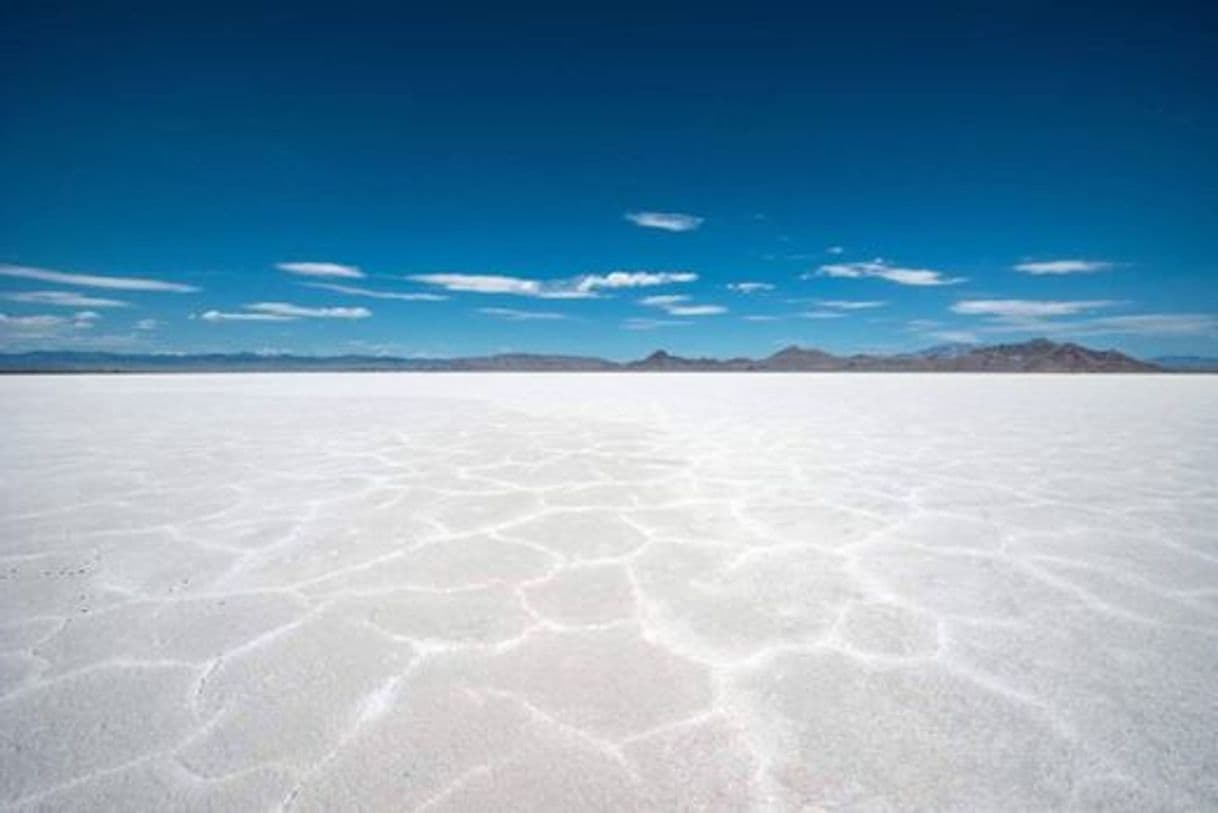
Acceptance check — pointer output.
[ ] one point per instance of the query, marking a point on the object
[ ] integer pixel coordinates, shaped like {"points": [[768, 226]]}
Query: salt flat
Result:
{"points": [[608, 592]]}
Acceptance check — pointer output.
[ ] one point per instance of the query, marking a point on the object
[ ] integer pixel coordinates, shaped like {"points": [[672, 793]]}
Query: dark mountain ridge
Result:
{"points": [[1035, 356]]}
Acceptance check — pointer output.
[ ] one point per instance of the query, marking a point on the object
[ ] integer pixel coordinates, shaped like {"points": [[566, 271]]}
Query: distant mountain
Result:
{"points": [[530, 362], [1036, 356], [1197, 364], [665, 362], [799, 358], [1044, 356]]}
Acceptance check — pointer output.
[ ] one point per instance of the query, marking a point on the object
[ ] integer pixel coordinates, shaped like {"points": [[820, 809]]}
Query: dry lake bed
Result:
{"points": [[608, 592]]}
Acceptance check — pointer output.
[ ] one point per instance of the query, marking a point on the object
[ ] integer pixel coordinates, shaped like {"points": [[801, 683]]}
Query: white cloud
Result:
{"points": [[375, 294], [879, 269], [93, 280], [147, 324], [321, 270], [66, 299], [675, 305], [44, 325], [749, 287], [499, 284], [584, 287], [514, 315], [1026, 308], [226, 316], [849, 304], [1064, 267], [651, 324], [41, 322], [761, 317], [822, 315], [663, 300], [289, 310], [835, 250], [633, 279], [696, 310], [668, 221]]}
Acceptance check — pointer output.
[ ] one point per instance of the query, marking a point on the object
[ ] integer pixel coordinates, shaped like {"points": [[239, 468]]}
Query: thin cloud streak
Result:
{"points": [[289, 310], [514, 315], [587, 286], [639, 323], [65, 299], [749, 287], [676, 305], [500, 284], [228, 316], [665, 221], [849, 304], [696, 310], [375, 294], [315, 269], [879, 269], [1064, 267], [633, 279], [94, 280], [1023, 308]]}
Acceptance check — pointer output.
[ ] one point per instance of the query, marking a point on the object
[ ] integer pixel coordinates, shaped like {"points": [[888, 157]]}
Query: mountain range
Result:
{"points": [[1035, 356]]}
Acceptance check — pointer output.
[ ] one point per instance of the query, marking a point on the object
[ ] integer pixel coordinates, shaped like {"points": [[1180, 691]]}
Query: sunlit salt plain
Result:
{"points": [[609, 592]]}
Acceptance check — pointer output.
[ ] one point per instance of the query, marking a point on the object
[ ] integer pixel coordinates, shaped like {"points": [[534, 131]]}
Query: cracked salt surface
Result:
{"points": [[621, 592]]}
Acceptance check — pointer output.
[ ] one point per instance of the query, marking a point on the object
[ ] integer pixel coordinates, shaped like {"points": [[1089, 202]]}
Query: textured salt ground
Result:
{"points": [[587, 592]]}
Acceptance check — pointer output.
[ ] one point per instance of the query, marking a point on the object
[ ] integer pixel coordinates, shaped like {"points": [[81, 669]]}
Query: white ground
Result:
{"points": [[609, 592]]}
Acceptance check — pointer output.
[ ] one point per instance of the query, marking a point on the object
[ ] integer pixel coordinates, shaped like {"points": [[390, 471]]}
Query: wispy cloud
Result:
{"points": [[849, 304], [514, 315], [822, 314], [282, 312], [638, 323], [835, 250], [880, 269], [289, 310], [1024, 308], [696, 310], [241, 316], [376, 294], [663, 300], [1064, 267], [66, 299], [633, 279], [481, 283], [761, 317], [40, 325], [499, 284], [749, 287], [147, 324], [678, 305], [94, 280], [586, 286], [314, 269], [667, 221]]}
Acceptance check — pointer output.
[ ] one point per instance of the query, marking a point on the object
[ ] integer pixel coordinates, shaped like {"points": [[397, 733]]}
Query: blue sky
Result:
{"points": [[376, 178]]}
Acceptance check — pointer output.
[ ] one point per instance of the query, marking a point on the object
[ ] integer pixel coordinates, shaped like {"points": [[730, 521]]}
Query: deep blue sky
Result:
{"points": [[826, 149]]}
